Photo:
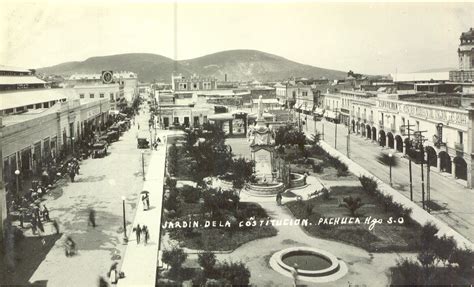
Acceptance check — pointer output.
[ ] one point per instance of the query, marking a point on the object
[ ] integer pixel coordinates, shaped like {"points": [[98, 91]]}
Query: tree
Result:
{"points": [[207, 260], [242, 171], [174, 258], [352, 204], [289, 135], [315, 138], [173, 157]]}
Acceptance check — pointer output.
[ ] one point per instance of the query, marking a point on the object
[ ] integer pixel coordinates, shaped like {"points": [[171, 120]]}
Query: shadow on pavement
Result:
{"points": [[29, 253]]}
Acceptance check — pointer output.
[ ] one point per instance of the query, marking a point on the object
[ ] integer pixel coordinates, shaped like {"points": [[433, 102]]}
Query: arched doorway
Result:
{"points": [[353, 126], [391, 142], [445, 162], [399, 143], [461, 168], [383, 138], [369, 132], [431, 156], [411, 151], [374, 133]]}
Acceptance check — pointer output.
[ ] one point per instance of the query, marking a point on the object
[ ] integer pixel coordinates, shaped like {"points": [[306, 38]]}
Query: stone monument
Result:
{"points": [[262, 144]]}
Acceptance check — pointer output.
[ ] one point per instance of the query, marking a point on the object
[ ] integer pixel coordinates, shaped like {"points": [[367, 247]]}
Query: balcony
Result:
{"points": [[371, 119]]}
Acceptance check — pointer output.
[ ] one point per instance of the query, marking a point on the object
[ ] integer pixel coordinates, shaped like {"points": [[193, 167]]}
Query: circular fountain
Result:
{"points": [[314, 265]]}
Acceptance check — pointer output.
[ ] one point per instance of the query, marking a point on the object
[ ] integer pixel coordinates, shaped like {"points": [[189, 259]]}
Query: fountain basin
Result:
{"points": [[314, 265], [297, 180]]}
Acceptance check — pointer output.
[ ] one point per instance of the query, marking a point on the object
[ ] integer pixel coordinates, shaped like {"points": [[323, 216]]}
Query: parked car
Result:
{"points": [[99, 149], [143, 143], [112, 136]]}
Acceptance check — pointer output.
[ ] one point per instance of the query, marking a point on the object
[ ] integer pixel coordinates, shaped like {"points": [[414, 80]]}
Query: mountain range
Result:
{"points": [[238, 65]]}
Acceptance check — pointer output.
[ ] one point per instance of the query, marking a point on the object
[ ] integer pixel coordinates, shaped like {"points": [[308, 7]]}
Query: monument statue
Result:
{"points": [[260, 134]]}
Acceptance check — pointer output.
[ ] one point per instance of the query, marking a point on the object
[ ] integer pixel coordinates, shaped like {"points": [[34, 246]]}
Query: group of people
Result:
{"points": [[142, 232]]}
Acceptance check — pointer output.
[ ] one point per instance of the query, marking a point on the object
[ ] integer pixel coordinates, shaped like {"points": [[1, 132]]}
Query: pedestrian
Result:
{"points": [[147, 199], [56, 226], [22, 218], [147, 235], [278, 198], [45, 178], [40, 225], [294, 274], [144, 202], [113, 276], [138, 126], [91, 218], [33, 225], [70, 246], [138, 230], [72, 174], [46, 214]]}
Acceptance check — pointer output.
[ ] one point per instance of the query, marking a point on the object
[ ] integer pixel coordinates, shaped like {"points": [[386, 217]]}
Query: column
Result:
{"points": [[394, 145], [438, 163], [231, 128], [453, 168]]}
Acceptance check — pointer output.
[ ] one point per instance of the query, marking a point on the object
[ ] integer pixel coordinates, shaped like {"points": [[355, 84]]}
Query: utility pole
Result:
{"points": [[408, 127], [348, 141], [419, 139]]}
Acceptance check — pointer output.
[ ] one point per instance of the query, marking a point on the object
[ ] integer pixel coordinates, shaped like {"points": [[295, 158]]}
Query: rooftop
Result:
{"points": [[420, 77], [14, 69], [469, 35], [19, 98], [20, 80], [29, 115]]}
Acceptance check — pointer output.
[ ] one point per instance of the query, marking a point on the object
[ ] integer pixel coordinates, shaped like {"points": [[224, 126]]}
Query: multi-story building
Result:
{"points": [[193, 83], [465, 73]]}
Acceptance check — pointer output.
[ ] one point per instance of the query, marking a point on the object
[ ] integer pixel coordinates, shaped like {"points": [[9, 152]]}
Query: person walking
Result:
{"points": [[138, 231], [91, 218], [46, 214], [278, 198], [145, 234], [144, 202], [72, 173], [147, 199], [22, 218], [56, 226]]}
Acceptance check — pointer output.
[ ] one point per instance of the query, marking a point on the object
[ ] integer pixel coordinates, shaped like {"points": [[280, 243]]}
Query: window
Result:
{"points": [[8, 111], [101, 95], [91, 96], [30, 106], [81, 96], [417, 125], [112, 97], [195, 86], [460, 137], [46, 105], [305, 94], [38, 106]]}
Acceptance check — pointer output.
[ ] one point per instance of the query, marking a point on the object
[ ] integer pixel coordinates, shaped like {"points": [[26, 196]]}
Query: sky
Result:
{"points": [[372, 38]]}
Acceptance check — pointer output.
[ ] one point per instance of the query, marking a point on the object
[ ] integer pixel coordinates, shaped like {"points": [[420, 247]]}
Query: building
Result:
{"points": [[193, 83], [465, 73]]}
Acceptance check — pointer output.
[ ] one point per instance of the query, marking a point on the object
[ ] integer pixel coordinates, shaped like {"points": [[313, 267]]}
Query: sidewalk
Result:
{"points": [[418, 214], [140, 262]]}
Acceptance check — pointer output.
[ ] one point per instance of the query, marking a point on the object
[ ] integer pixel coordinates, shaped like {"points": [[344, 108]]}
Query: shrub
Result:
{"points": [[236, 273], [444, 247], [342, 170], [318, 168], [352, 204], [207, 260], [190, 194], [172, 202], [171, 182], [369, 184], [174, 258], [464, 258], [407, 272], [325, 193]]}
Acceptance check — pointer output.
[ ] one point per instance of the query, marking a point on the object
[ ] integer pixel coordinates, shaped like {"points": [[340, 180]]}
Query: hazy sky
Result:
{"points": [[365, 37]]}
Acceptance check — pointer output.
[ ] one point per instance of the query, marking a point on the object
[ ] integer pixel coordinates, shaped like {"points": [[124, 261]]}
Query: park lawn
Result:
{"points": [[383, 237], [220, 238], [329, 172]]}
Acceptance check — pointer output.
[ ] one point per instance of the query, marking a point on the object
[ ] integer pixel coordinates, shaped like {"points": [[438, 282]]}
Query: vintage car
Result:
{"points": [[99, 149], [112, 136], [143, 143], [104, 138]]}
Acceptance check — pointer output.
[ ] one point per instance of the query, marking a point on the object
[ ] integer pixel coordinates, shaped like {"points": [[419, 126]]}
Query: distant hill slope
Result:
{"points": [[237, 64]]}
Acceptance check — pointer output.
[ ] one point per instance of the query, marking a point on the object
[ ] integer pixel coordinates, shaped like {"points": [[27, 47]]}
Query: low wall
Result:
{"points": [[418, 214], [298, 181]]}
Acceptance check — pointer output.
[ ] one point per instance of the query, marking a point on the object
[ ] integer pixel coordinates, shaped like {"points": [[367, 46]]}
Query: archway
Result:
{"points": [[411, 151], [431, 155], [369, 132], [374, 133], [382, 138], [461, 168], [445, 162], [399, 143], [391, 142]]}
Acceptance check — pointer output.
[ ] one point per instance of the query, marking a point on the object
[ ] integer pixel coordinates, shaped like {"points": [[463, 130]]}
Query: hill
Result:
{"points": [[237, 64]]}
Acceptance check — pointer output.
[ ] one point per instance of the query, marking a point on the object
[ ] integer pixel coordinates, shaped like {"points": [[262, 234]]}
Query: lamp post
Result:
{"points": [[390, 165], [125, 238], [143, 165], [17, 173]]}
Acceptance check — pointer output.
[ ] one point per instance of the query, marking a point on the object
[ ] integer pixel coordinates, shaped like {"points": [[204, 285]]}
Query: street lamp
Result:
{"points": [[390, 165], [143, 165], [17, 173], [125, 238]]}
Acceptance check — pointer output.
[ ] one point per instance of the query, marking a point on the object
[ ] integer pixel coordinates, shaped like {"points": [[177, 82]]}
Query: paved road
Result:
{"points": [[100, 185], [445, 191]]}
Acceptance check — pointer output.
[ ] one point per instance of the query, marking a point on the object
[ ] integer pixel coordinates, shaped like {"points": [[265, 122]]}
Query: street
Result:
{"points": [[455, 199], [101, 184]]}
